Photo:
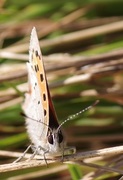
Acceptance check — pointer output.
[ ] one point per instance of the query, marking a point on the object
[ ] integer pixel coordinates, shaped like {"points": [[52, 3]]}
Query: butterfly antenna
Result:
{"points": [[24, 115], [78, 113]]}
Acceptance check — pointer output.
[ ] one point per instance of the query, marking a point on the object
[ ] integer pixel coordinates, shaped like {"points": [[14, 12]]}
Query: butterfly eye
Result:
{"points": [[50, 139], [60, 137]]}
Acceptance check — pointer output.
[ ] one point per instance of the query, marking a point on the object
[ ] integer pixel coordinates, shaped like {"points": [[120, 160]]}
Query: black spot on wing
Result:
{"points": [[36, 53], [41, 77], [35, 85], [45, 112], [36, 68], [44, 97]]}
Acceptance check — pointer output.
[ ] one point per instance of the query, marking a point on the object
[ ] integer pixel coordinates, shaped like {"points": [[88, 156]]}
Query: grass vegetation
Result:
{"points": [[82, 47]]}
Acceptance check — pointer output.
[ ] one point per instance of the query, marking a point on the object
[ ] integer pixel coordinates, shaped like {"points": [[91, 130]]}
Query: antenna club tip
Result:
{"points": [[96, 102]]}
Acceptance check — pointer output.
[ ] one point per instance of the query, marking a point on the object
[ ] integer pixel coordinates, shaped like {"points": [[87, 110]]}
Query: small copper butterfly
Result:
{"points": [[41, 121]]}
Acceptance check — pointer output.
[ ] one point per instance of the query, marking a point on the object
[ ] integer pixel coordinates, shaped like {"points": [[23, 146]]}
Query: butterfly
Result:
{"points": [[42, 125], [41, 120]]}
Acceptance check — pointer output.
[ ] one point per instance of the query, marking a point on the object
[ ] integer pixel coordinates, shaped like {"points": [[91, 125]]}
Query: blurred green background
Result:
{"points": [[81, 43]]}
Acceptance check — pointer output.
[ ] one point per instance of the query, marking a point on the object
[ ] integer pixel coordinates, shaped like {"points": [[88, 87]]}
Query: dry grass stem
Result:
{"points": [[10, 103], [99, 167], [75, 157], [71, 37], [40, 173]]}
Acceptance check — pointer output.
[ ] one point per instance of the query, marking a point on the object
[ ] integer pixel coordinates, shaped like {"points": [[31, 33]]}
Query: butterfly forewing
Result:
{"points": [[38, 106], [38, 67], [37, 62]]}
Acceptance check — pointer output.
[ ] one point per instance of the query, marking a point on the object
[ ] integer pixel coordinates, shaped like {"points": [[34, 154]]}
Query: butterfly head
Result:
{"points": [[55, 139]]}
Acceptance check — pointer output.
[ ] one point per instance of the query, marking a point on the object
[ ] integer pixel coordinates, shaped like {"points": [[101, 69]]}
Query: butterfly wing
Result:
{"points": [[35, 105], [38, 106]]}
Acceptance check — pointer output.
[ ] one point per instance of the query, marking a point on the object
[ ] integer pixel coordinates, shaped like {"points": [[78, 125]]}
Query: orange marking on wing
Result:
{"points": [[42, 84]]}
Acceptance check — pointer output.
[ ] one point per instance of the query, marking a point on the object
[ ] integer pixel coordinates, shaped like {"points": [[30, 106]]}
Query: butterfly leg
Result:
{"points": [[33, 155], [36, 151], [63, 153], [69, 150], [46, 151], [22, 156]]}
